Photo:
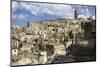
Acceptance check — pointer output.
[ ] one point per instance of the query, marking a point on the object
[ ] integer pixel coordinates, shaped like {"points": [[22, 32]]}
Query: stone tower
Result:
{"points": [[75, 14]]}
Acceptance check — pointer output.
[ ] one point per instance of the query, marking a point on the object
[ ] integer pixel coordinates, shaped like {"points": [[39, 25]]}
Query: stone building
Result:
{"points": [[14, 52], [43, 57]]}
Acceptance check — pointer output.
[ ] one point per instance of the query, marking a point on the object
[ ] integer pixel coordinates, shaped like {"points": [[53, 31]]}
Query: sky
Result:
{"points": [[23, 12]]}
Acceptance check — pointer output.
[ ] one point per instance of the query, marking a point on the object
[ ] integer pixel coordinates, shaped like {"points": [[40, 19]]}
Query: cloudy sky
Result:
{"points": [[23, 12]]}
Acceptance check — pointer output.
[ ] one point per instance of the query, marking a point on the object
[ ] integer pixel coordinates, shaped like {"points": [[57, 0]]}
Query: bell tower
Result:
{"points": [[75, 14]]}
